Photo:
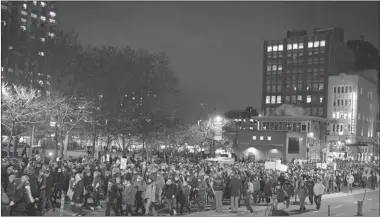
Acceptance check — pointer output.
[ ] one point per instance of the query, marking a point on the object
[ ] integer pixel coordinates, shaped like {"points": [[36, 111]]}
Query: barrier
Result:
{"points": [[360, 208]]}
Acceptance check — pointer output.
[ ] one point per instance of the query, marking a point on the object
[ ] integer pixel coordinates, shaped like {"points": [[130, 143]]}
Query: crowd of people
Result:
{"points": [[34, 185]]}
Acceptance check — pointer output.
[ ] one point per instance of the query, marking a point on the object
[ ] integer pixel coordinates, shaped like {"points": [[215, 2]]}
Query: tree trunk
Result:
{"points": [[123, 144], [10, 139], [56, 137], [15, 142], [66, 144]]}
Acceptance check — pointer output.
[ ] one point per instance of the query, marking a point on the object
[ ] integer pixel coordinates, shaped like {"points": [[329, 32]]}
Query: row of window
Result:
{"points": [[338, 128], [296, 53], [342, 89], [269, 138], [272, 66], [310, 111], [296, 46], [342, 102], [293, 99], [283, 126], [342, 115], [33, 15]]}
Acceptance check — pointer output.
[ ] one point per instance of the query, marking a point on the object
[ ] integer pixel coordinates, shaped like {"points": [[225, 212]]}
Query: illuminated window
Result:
{"points": [[133, 98], [267, 99], [300, 45], [10, 47], [274, 67], [261, 137], [51, 34], [310, 44], [321, 99], [35, 2], [269, 68], [4, 7], [24, 13], [279, 99], [322, 43], [52, 13], [308, 98], [269, 138], [23, 20], [43, 4], [34, 15], [361, 90], [269, 49], [316, 44], [280, 47], [2, 68], [43, 18], [279, 68], [334, 115], [254, 138], [24, 6], [275, 48], [23, 27], [273, 100], [52, 20], [42, 39], [3, 23], [41, 53], [289, 46], [295, 46], [10, 70]]}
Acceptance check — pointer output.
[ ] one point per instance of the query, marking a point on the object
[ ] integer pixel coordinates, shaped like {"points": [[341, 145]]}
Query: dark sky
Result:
{"points": [[215, 47]]}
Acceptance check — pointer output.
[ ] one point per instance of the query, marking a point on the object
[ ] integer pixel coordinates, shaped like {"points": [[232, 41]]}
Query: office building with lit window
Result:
{"points": [[27, 28], [296, 69], [353, 102], [243, 119]]}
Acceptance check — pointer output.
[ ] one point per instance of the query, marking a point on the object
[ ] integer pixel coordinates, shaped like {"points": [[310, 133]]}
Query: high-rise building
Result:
{"points": [[243, 119], [366, 55], [28, 27], [352, 102], [296, 69]]}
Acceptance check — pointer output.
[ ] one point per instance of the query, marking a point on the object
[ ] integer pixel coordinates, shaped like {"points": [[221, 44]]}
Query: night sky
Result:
{"points": [[215, 47]]}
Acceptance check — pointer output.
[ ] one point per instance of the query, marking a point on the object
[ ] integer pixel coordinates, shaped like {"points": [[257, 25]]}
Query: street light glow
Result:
{"points": [[218, 119]]}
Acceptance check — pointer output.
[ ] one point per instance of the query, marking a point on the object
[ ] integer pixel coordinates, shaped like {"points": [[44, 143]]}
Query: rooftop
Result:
{"points": [[293, 118]]}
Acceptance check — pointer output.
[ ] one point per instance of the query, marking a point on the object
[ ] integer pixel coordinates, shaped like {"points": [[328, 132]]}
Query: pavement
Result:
{"points": [[341, 204]]}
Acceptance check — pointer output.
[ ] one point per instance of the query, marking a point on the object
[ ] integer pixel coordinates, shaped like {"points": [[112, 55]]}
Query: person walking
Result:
{"points": [[248, 191], [350, 180], [235, 186], [318, 189], [303, 192], [218, 188]]}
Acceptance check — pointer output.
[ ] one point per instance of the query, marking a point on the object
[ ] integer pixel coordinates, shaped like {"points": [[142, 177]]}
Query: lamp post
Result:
{"points": [[310, 136]]}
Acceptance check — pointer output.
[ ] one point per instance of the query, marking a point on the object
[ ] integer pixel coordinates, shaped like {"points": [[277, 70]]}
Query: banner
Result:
{"points": [[123, 163], [270, 165]]}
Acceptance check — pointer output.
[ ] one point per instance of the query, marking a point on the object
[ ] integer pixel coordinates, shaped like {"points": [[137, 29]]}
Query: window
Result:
{"points": [[293, 145], [41, 53], [308, 99], [253, 137], [321, 99], [345, 102], [299, 98], [35, 2], [43, 4], [279, 68], [269, 68], [52, 13], [3, 23], [321, 86], [10, 47], [300, 45], [350, 89], [42, 39], [333, 127], [267, 99], [43, 18], [320, 111], [323, 43], [269, 138], [4, 7], [24, 6], [280, 47], [275, 48], [273, 100], [23, 27], [34, 15], [261, 137], [51, 20], [316, 44], [295, 46], [51, 34], [278, 99], [289, 46], [310, 44], [24, 13], [23, 20], [361, 91], [269, 49], [274, 67]]}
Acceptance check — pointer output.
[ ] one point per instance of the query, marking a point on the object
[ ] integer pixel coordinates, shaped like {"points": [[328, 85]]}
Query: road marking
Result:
{"points": [[315, 211], [369, 199], [356, 202], [337, 207]]}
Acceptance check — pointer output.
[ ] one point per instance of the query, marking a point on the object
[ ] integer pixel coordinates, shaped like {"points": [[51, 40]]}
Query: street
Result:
{"points": [[341, 204]]}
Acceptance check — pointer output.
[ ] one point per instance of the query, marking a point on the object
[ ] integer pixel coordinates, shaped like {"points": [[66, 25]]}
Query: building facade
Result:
{"points": [[243, 119], [285, 137], [296, 69], [28, 27], [353, 104]]}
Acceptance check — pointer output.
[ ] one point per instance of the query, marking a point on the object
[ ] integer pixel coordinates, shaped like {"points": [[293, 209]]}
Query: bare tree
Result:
{"points": [[21, 108]]}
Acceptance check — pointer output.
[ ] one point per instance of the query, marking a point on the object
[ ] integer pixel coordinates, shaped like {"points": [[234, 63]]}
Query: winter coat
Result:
{"points": [[170, 190], [184, 198], [268, 188], [78, 191], [49, 184], [128, 195], [235, 186], [150, 192], [303, 192], [60, 184]]}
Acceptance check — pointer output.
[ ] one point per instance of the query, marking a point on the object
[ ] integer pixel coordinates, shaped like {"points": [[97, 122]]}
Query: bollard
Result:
{"points": [[328, 210], [360, 208]]}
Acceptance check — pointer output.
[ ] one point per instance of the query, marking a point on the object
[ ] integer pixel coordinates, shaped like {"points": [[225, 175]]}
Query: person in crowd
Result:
{"points": [[150, 196], [318, 190], [129, 195], [140, 185], [235, 188], [218, 188], [170, 191], [350, 180], [185, 198], [303, 192], [78, 189], [248, 191], [310, 186], [202, 187]]}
